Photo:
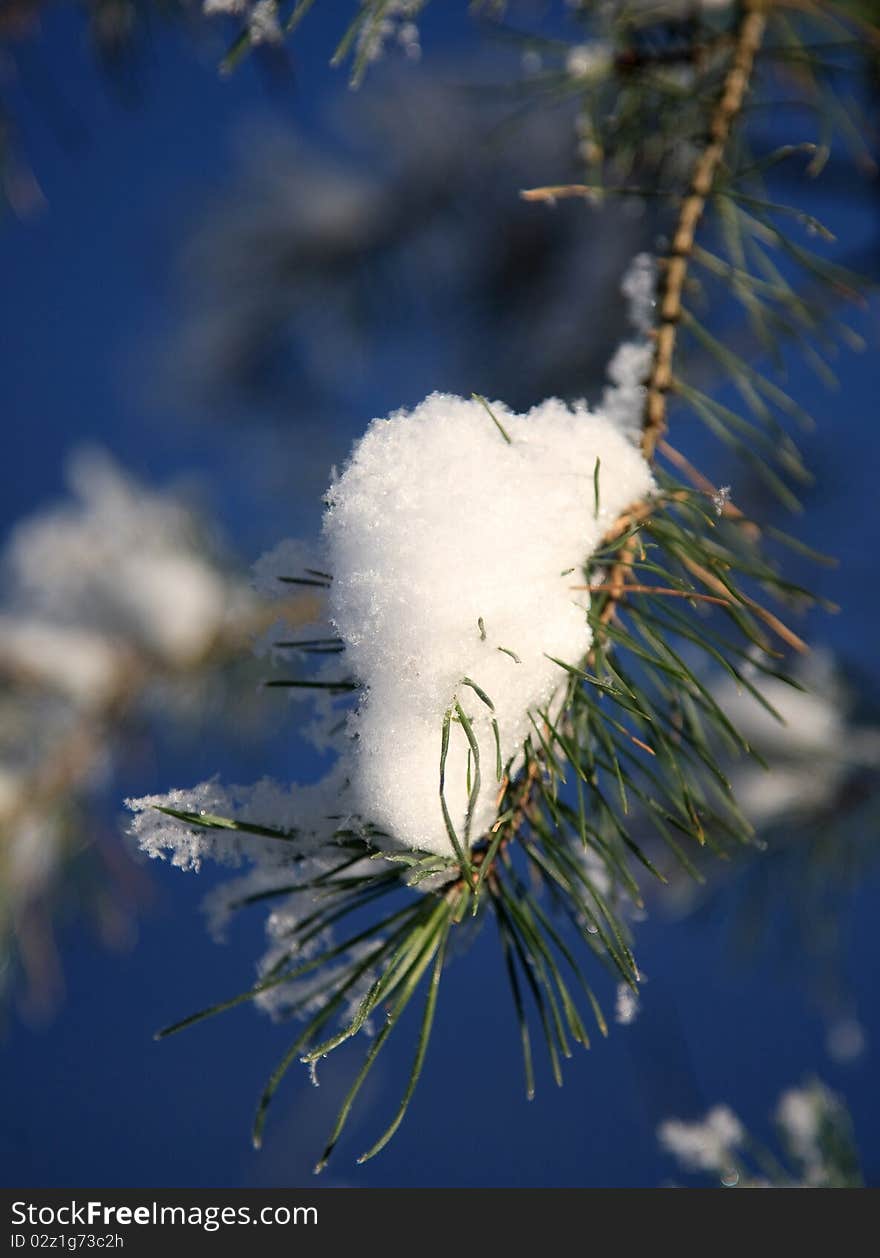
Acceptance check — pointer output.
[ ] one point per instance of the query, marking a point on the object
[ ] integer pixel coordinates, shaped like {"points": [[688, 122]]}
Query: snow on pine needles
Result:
{"points": [[458, 536], [460, 539]]}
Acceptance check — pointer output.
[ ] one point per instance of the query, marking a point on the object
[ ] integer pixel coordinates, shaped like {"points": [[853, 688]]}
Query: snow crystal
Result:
{"points": [[707, 1145], [312, 813], [290, 558], [720, 499], [279, 871], [440, 523]]}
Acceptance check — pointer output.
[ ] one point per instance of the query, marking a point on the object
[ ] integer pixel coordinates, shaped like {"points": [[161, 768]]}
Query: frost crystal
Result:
{"points": [[313, 813], [290, 558], [438, 523], [312, 816], [720, 499]]}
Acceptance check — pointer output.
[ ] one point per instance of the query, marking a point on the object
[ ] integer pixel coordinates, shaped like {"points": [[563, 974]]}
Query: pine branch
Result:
{"points": [[748, 38], [747, 42], [635, 721]]}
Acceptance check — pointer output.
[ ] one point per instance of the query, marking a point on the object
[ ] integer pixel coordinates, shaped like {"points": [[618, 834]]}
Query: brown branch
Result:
{"points": [[561, 192], [748, 39], [773, 622], [729, 510], [747, 42], [665, 590]]}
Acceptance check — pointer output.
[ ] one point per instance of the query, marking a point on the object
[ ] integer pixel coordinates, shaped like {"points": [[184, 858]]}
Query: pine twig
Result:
{"points": [[748, 39], [747, 43]]}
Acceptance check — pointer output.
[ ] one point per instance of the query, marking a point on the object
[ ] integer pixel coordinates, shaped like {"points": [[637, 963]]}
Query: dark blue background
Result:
{"points": [[91, 1099]]}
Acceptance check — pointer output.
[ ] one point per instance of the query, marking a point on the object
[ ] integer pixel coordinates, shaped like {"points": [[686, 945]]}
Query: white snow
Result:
{"points": [[263, 24], [120, 560], [721, 499], [436, 524], [394, 22], [313, 813], [80, 663], [290, 558], [457, 536], [104, 596], [623, 401], [803, 1114], [799, 1114], [278, 869], [810, 752], [706, 1145], [626, 1005], [211, 8], [639, 287]]}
